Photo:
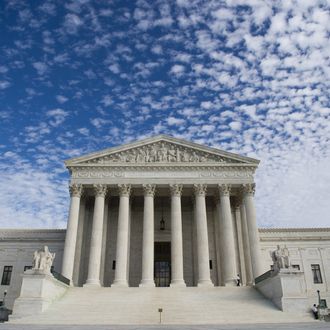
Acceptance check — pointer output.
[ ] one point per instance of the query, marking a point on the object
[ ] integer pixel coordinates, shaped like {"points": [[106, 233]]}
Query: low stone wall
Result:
{"points": [[286, 289], [39, 290]]}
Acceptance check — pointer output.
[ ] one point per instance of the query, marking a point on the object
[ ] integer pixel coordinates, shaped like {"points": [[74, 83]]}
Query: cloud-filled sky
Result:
{"points": [[250, 77]]}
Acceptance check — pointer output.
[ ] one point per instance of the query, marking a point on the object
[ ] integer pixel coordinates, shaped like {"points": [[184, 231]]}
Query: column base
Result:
{"points": [[92, 284], [178, 283], [231, 282], [119, 283], [147, 284], [205, 284]]}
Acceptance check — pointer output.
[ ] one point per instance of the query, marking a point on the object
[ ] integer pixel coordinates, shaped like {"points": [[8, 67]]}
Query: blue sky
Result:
{"points": [[250, 77]]}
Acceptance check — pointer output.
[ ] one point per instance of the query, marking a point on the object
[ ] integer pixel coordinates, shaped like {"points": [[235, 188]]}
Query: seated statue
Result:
{"points": [[281, 258], [43, 260]]}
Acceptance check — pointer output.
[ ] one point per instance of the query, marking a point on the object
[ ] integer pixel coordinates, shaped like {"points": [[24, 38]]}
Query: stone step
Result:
{"points": [[219, 305]]}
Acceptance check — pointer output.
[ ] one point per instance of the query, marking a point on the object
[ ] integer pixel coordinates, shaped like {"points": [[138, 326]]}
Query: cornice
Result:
{"points": [[164, 166], [13, 234], [294, 234], [294, 230]]}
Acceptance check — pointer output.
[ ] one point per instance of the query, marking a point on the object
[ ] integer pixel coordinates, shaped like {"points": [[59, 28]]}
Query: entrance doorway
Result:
{"points": [[162, 268]]}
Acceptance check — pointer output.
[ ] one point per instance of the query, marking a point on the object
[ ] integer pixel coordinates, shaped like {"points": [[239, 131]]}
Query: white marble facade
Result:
{"points": [[120, 195], [204, 196]]}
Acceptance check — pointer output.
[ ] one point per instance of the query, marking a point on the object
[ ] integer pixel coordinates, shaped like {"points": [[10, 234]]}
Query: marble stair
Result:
{"points": [[192, 305]]}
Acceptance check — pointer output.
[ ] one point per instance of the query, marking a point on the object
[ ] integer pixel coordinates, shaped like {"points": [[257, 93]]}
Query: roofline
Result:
{"points": [[302, 229], [100, 153]]}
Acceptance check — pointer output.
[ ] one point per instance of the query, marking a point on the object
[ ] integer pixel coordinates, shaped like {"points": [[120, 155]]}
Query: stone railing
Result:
{"points": [[61, 278], [264, 276]]}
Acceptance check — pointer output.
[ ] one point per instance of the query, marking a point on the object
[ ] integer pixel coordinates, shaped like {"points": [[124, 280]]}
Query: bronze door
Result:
{"points": [[162, 267]]}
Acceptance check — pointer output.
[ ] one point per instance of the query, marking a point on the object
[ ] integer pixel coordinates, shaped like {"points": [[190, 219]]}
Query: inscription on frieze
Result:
{"points": [[224, 174], [160, 152]]}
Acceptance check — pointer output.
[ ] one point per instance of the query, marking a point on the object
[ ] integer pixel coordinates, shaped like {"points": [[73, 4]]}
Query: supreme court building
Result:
{"points": [[164, 212], [160, 212]]}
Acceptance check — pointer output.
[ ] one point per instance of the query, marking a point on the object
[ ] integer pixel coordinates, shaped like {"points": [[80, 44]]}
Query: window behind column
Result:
{"points": [[6, 276], [316, 271]]}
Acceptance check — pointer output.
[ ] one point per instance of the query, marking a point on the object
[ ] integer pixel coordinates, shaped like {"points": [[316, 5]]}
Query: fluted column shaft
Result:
{"points": [[246, 247], [148, 237], [122, 236], [71, 232], [254, 240], [204, 278], [95, 252], [240, 241], [227, 237], [176, 236]]}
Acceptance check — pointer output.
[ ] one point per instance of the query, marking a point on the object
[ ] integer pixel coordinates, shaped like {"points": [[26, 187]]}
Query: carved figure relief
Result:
{"points": [[162, 152]]}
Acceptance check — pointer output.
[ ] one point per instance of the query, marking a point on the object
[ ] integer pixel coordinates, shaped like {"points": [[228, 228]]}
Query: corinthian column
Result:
{"points": [[95, 252], [204, 278], [148, 236], [254, 240], [122, 236], [176, 236], [246, 247], [71, 231], [227, 251]]}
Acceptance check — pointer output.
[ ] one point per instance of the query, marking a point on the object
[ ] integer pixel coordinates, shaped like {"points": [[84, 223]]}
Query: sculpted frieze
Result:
{"points": [[160, 152]]}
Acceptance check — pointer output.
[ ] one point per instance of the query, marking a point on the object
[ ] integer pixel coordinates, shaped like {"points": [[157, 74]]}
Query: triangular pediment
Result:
{"points": [[159, 150]]}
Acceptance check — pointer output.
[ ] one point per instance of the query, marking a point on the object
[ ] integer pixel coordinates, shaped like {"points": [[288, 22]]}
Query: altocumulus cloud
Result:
{"points": [[250, 77]]}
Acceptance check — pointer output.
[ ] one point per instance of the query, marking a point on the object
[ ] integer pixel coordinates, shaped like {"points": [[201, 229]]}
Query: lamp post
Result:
{"points": [[4, 298], [318, 293]]}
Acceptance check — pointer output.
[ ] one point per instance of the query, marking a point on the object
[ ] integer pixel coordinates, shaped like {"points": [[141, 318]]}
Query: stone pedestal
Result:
{"points": [[39, 289], [286, 289]]}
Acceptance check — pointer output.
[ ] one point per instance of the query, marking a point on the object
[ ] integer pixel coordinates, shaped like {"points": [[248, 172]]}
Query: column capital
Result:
{"points": [[248, 189], [200, 189], [224, 189], [124, 190], [149, 189], [100, 190], [75, 190], [238, 202], [176, 189]]}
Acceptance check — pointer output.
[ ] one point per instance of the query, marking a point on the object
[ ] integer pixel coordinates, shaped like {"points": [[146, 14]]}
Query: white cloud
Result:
{"points": [[173, 121], [177, 69], [72, 23], [4, 84], [234, 125], [57, 116], [40, 67], [61, 99]]}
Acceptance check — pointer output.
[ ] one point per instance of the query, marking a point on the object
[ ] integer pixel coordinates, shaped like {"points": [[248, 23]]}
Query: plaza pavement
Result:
{"points": [[317, 325]]}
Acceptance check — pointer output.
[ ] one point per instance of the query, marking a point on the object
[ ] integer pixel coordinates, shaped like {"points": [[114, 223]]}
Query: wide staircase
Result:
{"points": [[219, 305]]}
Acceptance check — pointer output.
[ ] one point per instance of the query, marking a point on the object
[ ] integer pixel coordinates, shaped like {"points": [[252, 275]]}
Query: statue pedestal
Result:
{"points": [[39, 289], [286, 289]]}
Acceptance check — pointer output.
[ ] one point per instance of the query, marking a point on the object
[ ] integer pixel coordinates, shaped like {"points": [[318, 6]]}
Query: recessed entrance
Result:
{"points": [[162, 269]]}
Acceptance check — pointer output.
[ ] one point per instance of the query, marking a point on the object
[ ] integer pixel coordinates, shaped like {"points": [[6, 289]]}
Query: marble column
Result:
{"points": [[254, 240], [148, 237], [204, 278], [122, 236], [240, 240], [246, 246], [176, 237], [227, 237], [94, 264], [71, 232]]}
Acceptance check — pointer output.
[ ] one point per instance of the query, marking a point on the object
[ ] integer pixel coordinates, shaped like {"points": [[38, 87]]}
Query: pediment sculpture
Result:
{"points": [[159, 152]]}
